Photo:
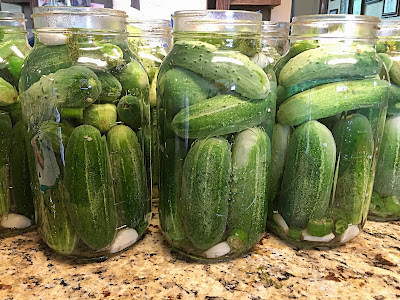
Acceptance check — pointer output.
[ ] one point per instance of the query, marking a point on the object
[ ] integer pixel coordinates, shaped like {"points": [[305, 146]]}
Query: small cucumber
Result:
{"points": [[110, 87], [251, 156], [100, 56], [101, 116], [232, 70], [5, 147], [205, 192], [91, 205], [221, 115], [8, 93], [386, 207], [133, 79], [326, 62], [320, 227], [14, 65], [386, 60], [129, 176], [129, 111], [331, 99], [394, 73], [308, 174], [393, 100], [355, 148], [387, 177]]}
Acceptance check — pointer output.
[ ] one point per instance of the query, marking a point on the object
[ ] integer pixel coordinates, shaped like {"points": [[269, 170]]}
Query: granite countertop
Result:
{"points": [[368, 267]]}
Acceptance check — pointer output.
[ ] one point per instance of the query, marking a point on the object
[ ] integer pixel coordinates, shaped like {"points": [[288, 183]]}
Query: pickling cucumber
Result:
{"points": [[326, 62], [133, 79], [130, 111], [110, 87], [232, 70], [355, 147], [251, 156], [393, 107], [308, 174], [221, 115], [8, 93], [91, 205], [5, 147], [205, 192], [101, 116], [129, 176], [331, 99], [99, 56]]}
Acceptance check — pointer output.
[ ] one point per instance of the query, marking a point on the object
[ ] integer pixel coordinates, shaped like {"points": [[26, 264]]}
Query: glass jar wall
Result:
{"points": [[332, 90], [85, 100], [216, 109], [275, 41], [385, 204], [151, 40], [16, 202]]}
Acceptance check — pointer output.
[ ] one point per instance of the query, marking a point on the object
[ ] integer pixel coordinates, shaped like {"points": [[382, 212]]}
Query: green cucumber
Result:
{"points": [[130, 111], [14, 66], [326, 62], [386, 60], [8, 93], [221, 115], [251, 156], [129, 176], [5, 147], [153, 90], [20, 181], [308, 174], [111, 88], [320, 227], [355, 149], [14, 111], [155, 159], [394, 73], [172, 157], [232, 70], [393, 100], [205, 192], [91, 205], [384, 207], [100, 56], [133, 79], [387, 176], [101, 116], [331, 99]]}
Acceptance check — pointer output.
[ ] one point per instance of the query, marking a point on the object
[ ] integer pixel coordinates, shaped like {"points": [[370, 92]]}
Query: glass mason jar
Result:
{"points": [[85, 100], [332, 90], [151, 40], [216, 108], [385, 200], [275, 41], [16, 201]]}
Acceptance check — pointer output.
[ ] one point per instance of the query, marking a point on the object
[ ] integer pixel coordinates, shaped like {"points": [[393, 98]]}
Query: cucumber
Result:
{"points": [[232, 70], [251, 156], [221, 115], [387, 176], [172, 157], [326, 62], [101, 116], [46, 59], [14, 110], [179, 88], [331, 99], [153, 90], [20, 182], [99, 56], [355, 147], [8, 94], [129, 111], [111, 88], [393, 107], [91, 205], [155, 159], [129, 176], [384, 207], [387, 61], [320, 227], [14, 65], [280, 143], [308, 174], [394, 72], [5, 146], [133, 79], [205, 192]]}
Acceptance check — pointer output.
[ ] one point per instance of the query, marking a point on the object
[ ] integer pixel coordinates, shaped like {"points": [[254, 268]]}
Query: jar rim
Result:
{"points": [[335, 18], [72, 10], [389, 29], [208, 13], [12, 16]]}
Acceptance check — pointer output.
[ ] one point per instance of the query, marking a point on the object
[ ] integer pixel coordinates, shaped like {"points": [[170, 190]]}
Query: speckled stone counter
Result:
{"points": [[366, 268]]}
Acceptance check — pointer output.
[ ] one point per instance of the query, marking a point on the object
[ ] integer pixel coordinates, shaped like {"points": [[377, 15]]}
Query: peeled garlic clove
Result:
{"points": [[218, 250], [123, 239], [322, 239], [52, 39], [260, 59], [349, 233], [15, 221], [280, 221]]}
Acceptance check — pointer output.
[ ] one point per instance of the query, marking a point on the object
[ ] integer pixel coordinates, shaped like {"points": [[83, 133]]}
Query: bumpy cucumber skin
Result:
{"points": [[227, 68], [133, 79], [20, 181], [393, 100], [171, 169], [91, 203], [5, 147], [355, 147], [321, 63], [205, 192], [331, 99], [110, 87], [179, 88], [130, 111], [101, 116], [221, 115], [129, 176], [308, 174], [387, 176], [251, 156]]}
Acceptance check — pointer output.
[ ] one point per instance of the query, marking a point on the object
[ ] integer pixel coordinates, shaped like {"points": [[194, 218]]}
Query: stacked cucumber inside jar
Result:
{"points": [[84, 97], [331, 106], [16, 204], [216, 107]]}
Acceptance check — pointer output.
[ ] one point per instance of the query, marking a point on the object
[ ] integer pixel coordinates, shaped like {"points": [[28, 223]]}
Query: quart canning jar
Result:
{"points": [[85, 100], [275, 41], [216, 109], [151, 40], [332, 89], [385, 201], [16, 202]]}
